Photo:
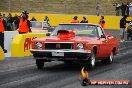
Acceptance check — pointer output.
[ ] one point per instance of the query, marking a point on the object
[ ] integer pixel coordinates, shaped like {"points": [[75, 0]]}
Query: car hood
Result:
{"points": [[74, 39]]}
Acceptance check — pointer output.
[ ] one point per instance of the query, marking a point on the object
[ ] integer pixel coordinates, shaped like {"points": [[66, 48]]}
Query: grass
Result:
{"points": [[60, 6]]}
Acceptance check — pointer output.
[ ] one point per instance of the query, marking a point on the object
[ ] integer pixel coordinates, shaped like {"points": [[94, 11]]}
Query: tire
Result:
{"points": [[39, 63], [91, 60], [35, 55], [109, 60], [68, 62]]}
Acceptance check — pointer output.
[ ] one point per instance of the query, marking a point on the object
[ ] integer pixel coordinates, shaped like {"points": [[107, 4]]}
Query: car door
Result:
{"points": [[109, 43], [103, 48]]}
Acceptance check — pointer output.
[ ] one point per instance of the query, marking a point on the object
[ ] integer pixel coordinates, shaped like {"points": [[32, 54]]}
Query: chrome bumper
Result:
{"points": [[61, 55], [62, 50]]}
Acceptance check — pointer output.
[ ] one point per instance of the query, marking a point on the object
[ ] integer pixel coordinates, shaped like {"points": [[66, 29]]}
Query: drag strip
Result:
{"points": [[23, 73]]}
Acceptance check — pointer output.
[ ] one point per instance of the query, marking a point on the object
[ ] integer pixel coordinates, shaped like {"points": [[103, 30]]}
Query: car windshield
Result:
{"points": [[79, 29], [35, 24]]}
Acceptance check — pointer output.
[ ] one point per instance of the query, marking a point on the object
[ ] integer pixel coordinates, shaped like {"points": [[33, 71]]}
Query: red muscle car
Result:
{"points": [[75, 42]]}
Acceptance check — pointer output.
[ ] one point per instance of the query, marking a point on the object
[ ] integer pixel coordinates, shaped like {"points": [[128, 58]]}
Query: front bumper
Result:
{"points": [[62, 54]]}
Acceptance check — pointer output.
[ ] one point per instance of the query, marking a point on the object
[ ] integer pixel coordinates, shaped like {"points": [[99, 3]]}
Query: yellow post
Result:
{"points": [[2, 55]]}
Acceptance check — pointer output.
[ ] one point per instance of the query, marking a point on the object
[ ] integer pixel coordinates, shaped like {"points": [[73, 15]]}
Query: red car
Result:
{"points": [[71, 42]]}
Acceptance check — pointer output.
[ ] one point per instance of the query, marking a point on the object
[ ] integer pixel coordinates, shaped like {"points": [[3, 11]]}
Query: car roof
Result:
{"points": [[91, 24]]}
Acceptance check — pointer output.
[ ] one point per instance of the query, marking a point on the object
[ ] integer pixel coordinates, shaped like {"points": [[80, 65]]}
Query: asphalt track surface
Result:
{"points": [[23, 73]]}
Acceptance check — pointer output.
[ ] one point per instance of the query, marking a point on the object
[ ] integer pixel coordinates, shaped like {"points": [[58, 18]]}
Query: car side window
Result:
{"points": [[100, 32], [45, 24]]}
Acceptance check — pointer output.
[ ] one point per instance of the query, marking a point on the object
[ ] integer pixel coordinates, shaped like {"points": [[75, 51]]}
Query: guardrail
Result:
{"points": [[10, 35]]}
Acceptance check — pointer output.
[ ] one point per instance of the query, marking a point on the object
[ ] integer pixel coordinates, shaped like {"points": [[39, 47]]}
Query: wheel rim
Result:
{"points": [[111, 57], [93, 60]]}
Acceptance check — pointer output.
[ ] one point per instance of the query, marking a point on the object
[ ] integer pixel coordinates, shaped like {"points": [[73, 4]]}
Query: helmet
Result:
{"points": [[75, 17], [25, 12], [130, 24]]}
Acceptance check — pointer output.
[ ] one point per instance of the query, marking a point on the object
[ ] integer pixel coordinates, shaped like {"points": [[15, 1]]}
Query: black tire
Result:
{"points": [[108, 60], [91, 60], [39, 63], [35, 55], [68, 62]]}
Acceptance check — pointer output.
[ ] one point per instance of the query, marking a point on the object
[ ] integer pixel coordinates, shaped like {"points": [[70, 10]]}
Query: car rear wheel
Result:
{"points": [[68, 62], [109, 60], [91, 60], [39, 63]]}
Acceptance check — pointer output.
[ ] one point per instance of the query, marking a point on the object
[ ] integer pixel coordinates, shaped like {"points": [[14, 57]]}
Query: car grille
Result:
{"points": [[58, 45]]}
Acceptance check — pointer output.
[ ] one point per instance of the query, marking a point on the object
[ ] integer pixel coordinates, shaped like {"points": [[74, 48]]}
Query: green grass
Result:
{"points": [[60, 6]]}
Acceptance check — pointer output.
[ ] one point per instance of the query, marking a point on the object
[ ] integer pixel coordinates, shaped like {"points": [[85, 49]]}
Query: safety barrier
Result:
{"points": [[20, 46], [8, 37], [112, 22], [2, 55]]}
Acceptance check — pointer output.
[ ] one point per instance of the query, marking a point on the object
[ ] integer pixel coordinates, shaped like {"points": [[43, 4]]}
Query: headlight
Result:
{"points": [[79, 46], [39, 45]]}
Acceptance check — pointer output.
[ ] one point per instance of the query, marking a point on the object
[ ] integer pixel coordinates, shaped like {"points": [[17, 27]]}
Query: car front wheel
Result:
{"points": [[109, 60], [39, 63], [91, 60]]}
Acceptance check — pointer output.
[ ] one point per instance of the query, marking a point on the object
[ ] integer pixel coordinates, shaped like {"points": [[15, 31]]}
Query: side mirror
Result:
{"points": [[47, 34], [103, 36]]}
